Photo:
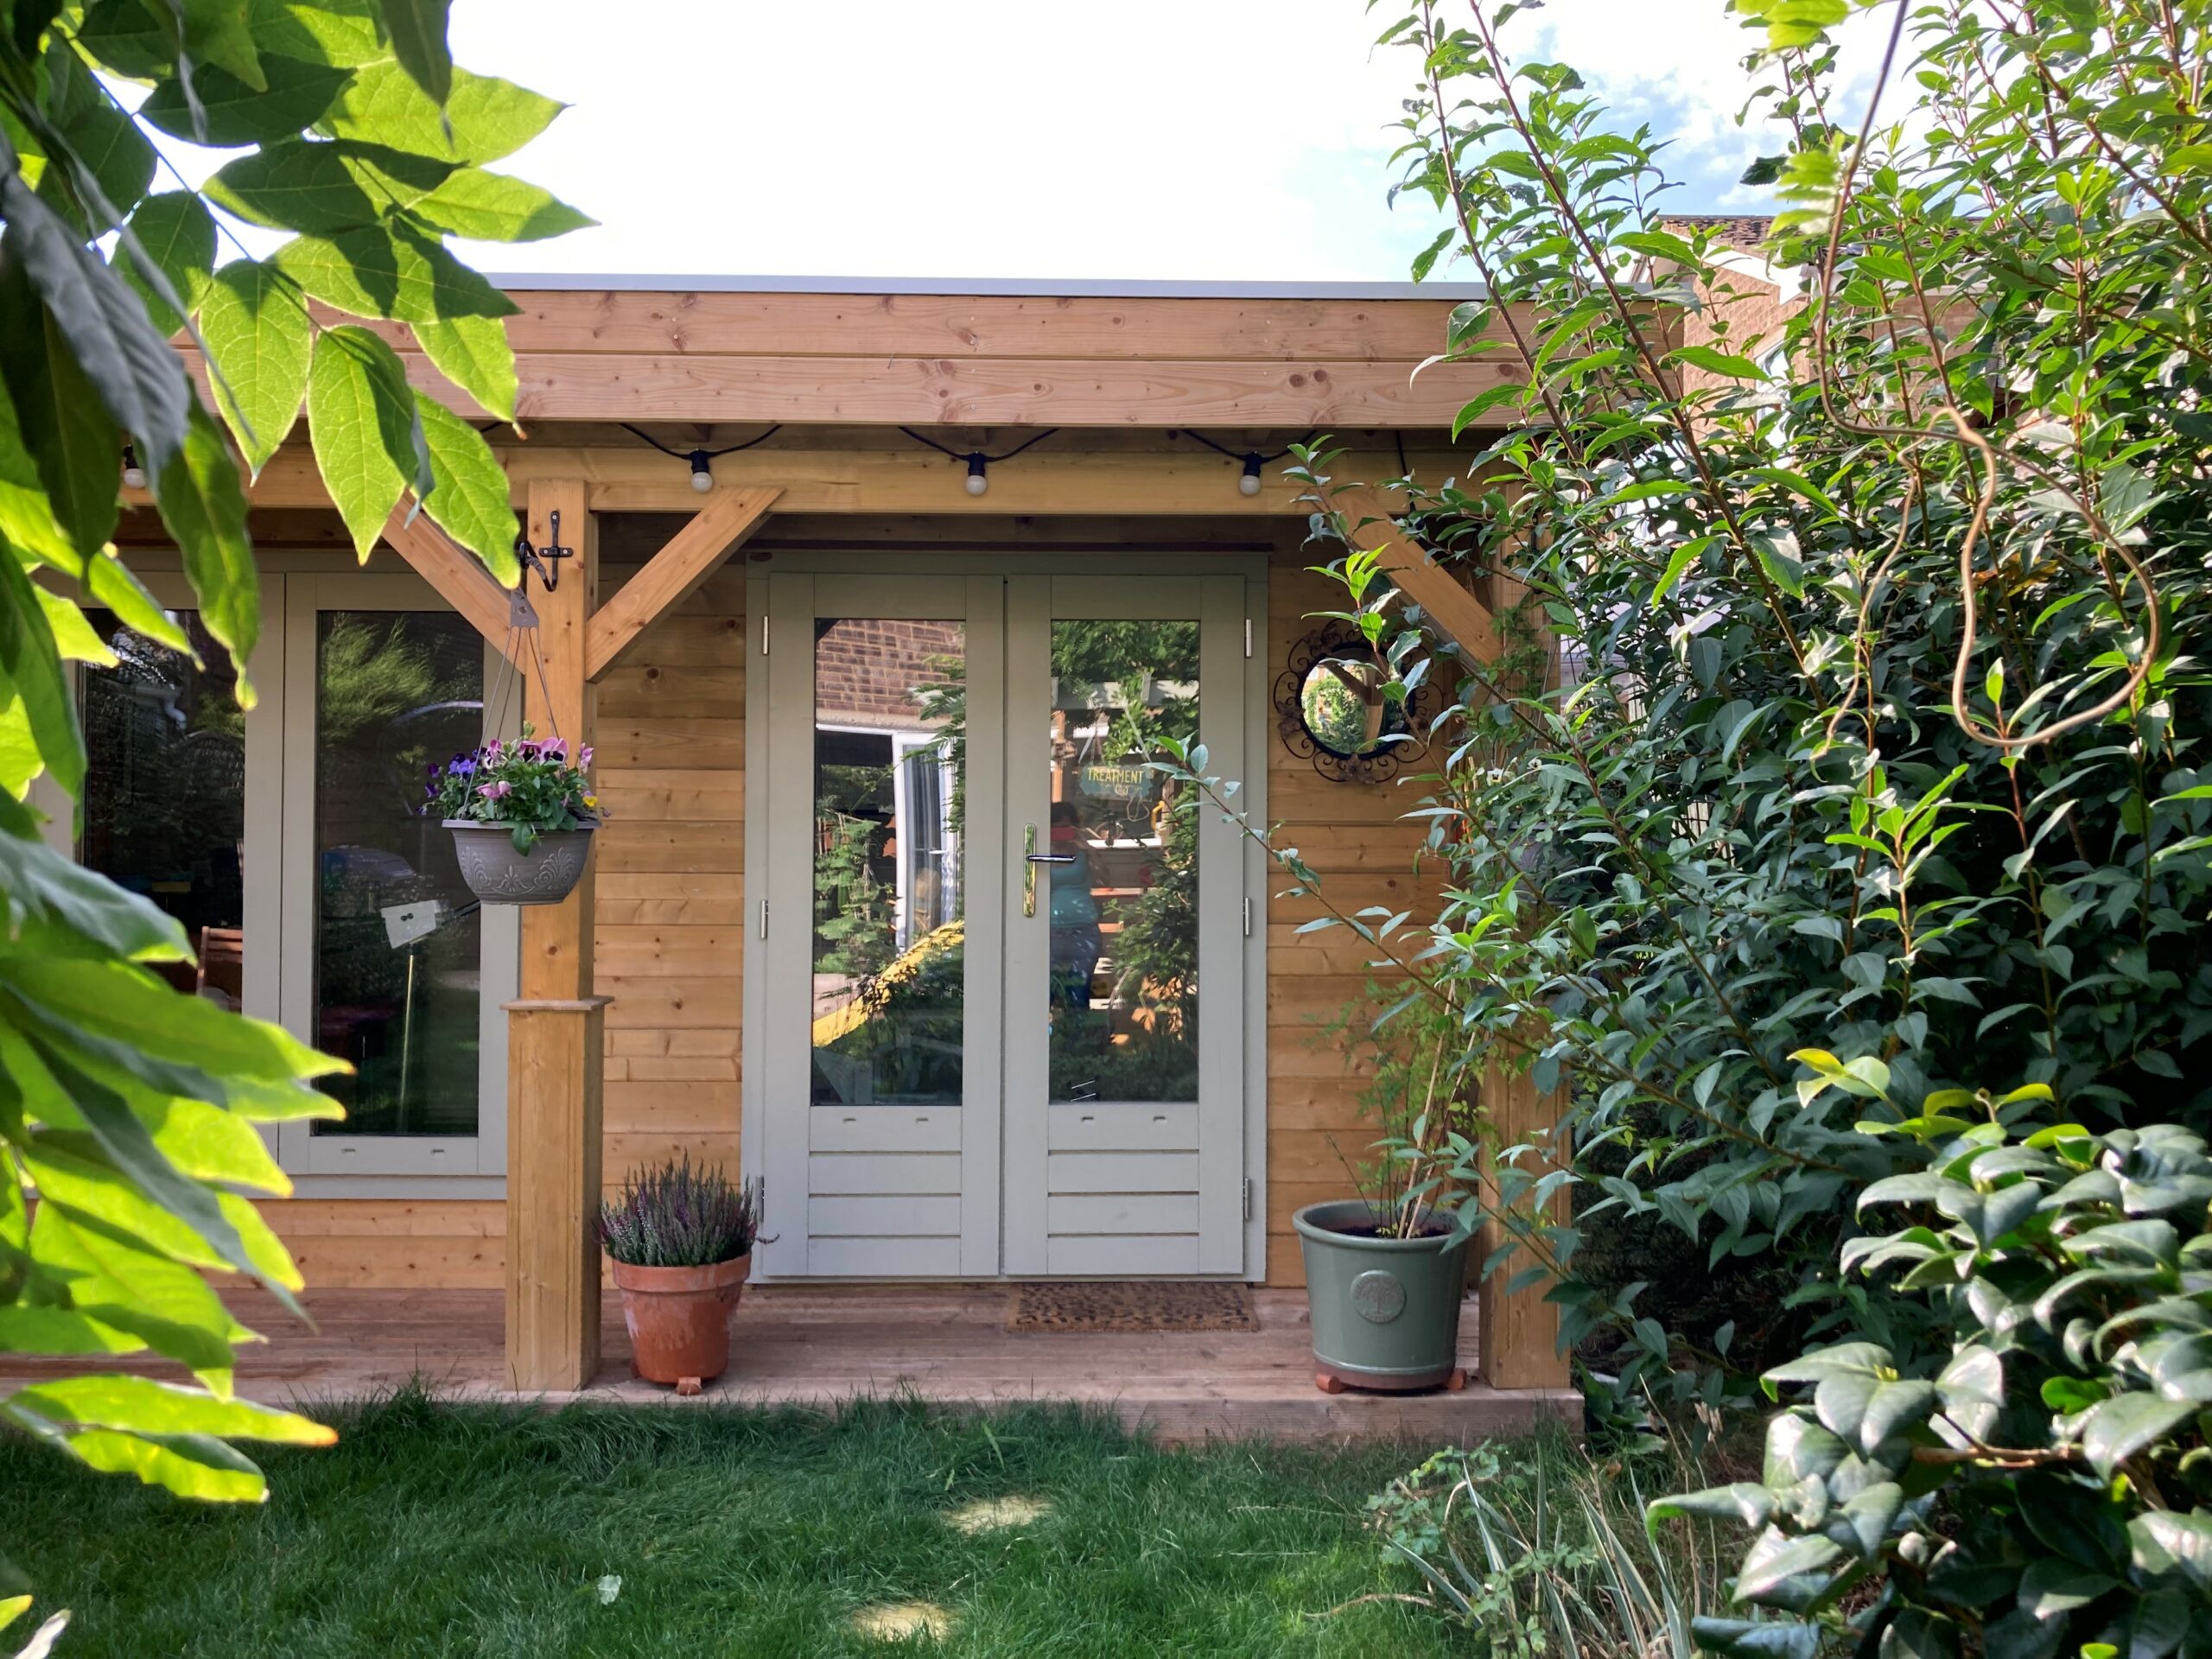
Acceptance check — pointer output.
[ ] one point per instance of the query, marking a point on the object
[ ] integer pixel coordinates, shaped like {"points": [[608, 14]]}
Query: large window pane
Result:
{"points": [[165, 795], [1123, 991], [398, 936], [890, 751]]}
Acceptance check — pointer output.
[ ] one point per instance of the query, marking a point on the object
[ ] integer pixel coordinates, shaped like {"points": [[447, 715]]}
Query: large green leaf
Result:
{"points": [[172, 1308], [31, 674], [233, 113], [176, 231], [489, 117], [140, 380], [115, 1001], [45, 1067], [361, 416], [390, 270], [218, 32], [346, 34], [256, 330], [203, 503], [473, 353], [43, 886], [145, 1407], [469, 498], [191, 1467], [2127, 1424], [27, 512], [418, 41], [29, 1330], [110, 584], [322, 187], [114, 165], [123, 35], [497, 208]]}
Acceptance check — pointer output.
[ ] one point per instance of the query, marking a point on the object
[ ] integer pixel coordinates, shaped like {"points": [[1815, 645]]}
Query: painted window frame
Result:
{"points": [[337, 1157]]}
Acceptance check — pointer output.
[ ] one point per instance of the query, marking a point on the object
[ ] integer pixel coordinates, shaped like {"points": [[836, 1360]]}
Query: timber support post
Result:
{"points": [[1519, 1330], [556, 1029]]}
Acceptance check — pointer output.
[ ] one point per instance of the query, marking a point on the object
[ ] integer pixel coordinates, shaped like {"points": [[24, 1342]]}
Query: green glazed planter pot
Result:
{"points": [[1385, 1310]]}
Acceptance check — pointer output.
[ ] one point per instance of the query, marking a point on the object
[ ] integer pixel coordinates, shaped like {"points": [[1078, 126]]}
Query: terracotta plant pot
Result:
{"points": [[499, 875], [679, 1319]]}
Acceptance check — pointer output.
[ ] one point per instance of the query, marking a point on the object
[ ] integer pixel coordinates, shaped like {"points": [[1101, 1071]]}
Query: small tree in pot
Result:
{"points": [[681, 1242], [522, 814]]}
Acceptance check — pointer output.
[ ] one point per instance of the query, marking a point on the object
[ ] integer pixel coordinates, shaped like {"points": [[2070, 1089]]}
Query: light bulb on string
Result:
{"points": [[1249, 484], [977, 480], [134, 475], [703, 476]]}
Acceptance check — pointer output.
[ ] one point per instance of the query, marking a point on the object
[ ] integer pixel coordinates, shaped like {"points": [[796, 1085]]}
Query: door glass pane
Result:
{"points": [[890, 769], [165, 795], [1123, 988], [398, 936]]}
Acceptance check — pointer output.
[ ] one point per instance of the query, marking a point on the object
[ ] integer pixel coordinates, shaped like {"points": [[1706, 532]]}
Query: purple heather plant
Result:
{"points": [[676, 1216], [530, 787]]}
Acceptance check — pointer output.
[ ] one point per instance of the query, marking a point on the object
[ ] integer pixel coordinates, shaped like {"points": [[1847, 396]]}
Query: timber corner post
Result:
{"points": [[557, 1026]]}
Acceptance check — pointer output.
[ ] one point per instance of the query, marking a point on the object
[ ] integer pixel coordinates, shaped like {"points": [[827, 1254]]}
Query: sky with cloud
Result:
{"points": [[1196, 139]]}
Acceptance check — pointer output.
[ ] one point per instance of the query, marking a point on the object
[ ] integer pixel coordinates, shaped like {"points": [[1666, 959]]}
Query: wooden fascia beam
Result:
{"points": [[675, 573], [1457, 613], [460, 581]]}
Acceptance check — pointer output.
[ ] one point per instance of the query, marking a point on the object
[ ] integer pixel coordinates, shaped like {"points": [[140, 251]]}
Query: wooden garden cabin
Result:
{"points": [[762, 670]]}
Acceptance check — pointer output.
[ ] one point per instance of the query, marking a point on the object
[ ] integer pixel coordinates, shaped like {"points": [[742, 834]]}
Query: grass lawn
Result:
{"points": [[439, 1529]]}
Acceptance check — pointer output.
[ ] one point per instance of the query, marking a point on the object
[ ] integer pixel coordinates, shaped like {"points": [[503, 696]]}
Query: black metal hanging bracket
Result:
{"points": [[546, 560]]}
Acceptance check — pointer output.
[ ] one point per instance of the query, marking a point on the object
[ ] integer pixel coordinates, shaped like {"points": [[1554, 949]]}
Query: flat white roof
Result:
{"points": [[1006, 287]]}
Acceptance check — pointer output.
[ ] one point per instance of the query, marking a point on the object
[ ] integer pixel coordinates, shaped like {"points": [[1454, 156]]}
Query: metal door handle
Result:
{"points": [[1030, 858]]}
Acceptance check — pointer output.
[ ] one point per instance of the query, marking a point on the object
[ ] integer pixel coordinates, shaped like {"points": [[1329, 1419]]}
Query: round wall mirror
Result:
{"points": [[1329, 709]]}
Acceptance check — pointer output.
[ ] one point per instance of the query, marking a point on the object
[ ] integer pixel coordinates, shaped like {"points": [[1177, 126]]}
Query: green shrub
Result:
{"points": [[2040, 1486]]}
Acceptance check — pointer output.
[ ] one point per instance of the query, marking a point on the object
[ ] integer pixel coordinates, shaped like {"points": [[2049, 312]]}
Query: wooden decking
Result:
{"points": [[947, 1345]]}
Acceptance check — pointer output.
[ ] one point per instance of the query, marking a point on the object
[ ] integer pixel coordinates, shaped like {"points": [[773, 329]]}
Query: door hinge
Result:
{"points": [[1248, 918], [764, 919], [1248, 636], [1248, 1197], [764, 633]]}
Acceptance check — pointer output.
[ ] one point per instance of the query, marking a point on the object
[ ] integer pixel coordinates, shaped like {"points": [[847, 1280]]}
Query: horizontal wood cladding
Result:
{"points": [[977, 326]]}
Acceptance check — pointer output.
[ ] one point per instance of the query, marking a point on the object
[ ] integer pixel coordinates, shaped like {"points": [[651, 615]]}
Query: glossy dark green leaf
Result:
{"points": [[2129, 1424], [218, 32], [27, 513], [255, 325], [1737, 1639], [296, 96]]}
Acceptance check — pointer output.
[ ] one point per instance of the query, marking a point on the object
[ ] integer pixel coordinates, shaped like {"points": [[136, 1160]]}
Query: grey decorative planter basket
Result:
{"points": [[499, 875], [1385, 1311]]}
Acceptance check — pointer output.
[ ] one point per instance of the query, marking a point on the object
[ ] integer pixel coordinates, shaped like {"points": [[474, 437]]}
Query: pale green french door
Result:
{"points": [[995, 981]]}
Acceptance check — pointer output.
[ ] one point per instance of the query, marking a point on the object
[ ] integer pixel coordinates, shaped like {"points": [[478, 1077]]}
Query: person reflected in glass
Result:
{"points": [[1076, 941]]}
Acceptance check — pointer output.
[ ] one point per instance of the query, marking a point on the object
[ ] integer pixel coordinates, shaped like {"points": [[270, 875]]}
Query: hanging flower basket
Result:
{"points": [[522, 816]]}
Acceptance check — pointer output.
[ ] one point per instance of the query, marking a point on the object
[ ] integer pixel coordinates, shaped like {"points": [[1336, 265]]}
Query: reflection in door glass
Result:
{"points": [[398, 935], [165, 792], [1124, 906], [890, 753]]}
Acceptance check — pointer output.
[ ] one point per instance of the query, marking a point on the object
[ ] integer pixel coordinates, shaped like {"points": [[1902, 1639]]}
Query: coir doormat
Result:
{"points": [[1119, 1306]]}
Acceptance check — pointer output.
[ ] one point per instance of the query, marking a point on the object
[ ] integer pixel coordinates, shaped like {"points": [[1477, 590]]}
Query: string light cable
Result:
{"points": [[978, 479], [703, 476], [1253, 460]]}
